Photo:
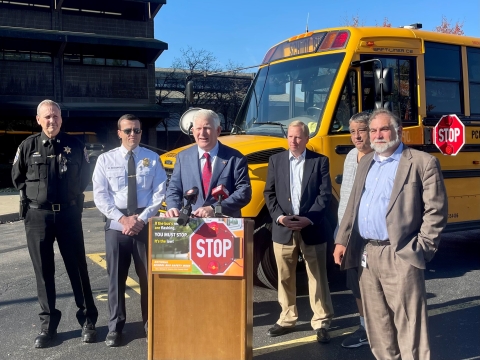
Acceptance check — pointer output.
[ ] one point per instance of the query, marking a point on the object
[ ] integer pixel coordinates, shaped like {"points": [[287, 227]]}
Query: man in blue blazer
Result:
{"points": [[297, 194], [206, 166]]}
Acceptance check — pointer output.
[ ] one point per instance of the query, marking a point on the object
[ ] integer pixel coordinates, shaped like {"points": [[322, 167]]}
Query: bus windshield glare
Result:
{"points": [[288, 91]]}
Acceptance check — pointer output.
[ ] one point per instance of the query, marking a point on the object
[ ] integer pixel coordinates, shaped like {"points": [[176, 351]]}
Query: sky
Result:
{"points": [[242, 31]]}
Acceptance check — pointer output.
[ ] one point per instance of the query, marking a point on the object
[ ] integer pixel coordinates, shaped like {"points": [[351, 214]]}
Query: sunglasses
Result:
{"points": [[135, 131]]}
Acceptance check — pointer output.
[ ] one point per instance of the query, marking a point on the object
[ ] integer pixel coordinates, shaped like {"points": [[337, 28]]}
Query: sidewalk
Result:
{"points": [[9, 204]]}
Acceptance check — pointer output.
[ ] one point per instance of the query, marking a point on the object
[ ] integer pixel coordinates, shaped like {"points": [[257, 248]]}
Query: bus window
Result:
{"points": [[473, 56], [289, 91], [404, 92], [347, 105], [443, 84]]}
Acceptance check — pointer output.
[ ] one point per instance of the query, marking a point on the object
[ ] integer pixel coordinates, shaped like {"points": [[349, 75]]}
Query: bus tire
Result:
{"points": [[264, 265]]}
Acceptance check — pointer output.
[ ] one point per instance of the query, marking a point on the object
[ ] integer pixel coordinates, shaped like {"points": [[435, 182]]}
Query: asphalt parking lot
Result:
{"points": [[453, 285]]}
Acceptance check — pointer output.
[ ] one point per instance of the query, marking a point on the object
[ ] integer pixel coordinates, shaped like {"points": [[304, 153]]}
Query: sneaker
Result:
{"points": [[357, 339]]}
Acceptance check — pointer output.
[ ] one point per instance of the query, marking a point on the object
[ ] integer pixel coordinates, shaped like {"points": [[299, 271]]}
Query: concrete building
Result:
{"points": [[95, 58]]}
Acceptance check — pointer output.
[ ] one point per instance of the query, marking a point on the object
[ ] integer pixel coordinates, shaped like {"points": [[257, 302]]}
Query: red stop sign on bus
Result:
{"points": [[212, 248], [449, 135]]}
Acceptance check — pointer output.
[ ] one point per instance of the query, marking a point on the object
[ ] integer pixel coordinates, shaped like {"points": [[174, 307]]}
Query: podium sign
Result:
{"points": [[207, 246], [200, 289]]}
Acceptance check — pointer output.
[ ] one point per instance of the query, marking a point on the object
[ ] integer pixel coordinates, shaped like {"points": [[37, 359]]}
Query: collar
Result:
{"points": [[301, 157], [44, 138], [213, 152], [395, 156], [124, 151]]}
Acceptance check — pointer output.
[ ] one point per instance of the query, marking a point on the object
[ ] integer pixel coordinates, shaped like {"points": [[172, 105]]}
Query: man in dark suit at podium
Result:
{"points": [[297, 203], [206, 166]]}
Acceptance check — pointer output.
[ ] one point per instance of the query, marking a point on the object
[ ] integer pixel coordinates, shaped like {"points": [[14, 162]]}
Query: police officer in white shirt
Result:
{"points": [[128, 187]]}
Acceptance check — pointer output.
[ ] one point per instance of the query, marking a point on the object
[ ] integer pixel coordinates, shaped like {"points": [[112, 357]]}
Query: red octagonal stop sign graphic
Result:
{"points": [[212, 248], [449, 135]]}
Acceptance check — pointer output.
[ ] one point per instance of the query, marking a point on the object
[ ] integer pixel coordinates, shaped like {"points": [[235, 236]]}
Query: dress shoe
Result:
{"points": [[113, 339], [89, 334], [278, 330], [322, 336], [44, 338]]}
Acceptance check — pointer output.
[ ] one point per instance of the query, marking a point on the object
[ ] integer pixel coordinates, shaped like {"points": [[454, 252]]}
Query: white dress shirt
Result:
{"points": [[296, 176], [213, 156], [110, 183]]}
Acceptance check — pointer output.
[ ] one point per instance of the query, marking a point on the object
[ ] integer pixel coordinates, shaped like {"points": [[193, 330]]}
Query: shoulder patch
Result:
{"points": [[17, 155], [86, 155]]}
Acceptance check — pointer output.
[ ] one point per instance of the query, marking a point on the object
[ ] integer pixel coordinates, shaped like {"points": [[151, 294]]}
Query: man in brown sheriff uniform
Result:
{"points": [[51, 171]]}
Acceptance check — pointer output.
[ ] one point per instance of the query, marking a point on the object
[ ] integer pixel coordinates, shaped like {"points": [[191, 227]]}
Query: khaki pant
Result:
{"points": [[395, 305], [315, 259]]}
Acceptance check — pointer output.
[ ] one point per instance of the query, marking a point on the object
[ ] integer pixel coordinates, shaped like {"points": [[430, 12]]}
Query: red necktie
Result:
{"points": [[206, 174]]}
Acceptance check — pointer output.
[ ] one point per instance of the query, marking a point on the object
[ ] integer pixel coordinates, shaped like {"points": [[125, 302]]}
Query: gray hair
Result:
{"points": [[48, 102], [207, 114], [129, 117], [394, 119], [306, 130], [361, 117]]}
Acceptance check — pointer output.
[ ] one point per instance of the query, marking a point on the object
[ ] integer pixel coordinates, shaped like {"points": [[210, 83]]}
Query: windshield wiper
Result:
{"points": [[273, 123], [236, 130]]}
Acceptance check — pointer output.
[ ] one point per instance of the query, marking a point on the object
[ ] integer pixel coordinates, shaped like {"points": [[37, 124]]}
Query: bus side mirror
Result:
{"points": [[387, 105], [189, 91], [386, 79]]}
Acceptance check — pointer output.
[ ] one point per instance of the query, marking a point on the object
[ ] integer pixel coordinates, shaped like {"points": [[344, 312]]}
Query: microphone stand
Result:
{"points": [[218, 208]]}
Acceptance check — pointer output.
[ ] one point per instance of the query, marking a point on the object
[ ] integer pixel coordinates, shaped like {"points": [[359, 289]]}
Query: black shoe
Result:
{"points": [[113, 339], [44, 338], [322, 336], [89, 334], [278, 330]]}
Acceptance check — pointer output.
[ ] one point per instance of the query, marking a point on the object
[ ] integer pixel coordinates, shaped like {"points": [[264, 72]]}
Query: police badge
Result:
{"points": [[146, 162]]}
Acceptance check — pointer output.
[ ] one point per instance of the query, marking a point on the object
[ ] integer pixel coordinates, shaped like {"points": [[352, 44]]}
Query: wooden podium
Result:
{"points": [[200, 316]]}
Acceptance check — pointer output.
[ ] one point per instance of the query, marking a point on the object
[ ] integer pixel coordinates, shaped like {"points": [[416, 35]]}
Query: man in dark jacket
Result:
{"points": [[297, 203]]}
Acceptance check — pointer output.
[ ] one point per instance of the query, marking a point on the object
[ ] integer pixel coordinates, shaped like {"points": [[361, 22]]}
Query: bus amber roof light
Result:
{"points": [[328, 41], [268, 55]]}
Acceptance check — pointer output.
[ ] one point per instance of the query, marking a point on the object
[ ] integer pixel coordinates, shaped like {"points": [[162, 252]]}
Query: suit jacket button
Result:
{"points": [[288, 199]]}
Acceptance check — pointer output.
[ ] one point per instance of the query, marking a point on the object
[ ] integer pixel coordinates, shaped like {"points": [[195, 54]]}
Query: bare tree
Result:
{"points": [[213, 87], [353, 22], [447, 28]]}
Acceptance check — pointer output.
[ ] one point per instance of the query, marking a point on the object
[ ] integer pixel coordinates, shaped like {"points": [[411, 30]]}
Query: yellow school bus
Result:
{"points": [[323, 77]]}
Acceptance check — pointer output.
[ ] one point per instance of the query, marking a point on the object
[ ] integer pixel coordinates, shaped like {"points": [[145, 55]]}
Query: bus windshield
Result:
{"points": [[288, 91]]}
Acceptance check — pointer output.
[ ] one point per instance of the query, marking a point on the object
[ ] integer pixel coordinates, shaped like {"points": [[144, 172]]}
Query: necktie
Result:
{"points": [[206, 174], [52, 171], [132, 185]]}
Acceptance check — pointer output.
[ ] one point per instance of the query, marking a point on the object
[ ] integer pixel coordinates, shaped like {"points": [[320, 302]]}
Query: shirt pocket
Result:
{"points": [[145, 178], [37, 169], [116, 179]]}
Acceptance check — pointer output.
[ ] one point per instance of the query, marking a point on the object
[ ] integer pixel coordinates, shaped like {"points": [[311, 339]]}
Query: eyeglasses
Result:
{"points": [[358, 132], [135, 131]]}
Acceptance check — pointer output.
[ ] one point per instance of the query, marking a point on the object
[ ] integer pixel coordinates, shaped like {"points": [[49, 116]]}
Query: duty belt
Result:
{"points": [[53, 207], [376, 242]]}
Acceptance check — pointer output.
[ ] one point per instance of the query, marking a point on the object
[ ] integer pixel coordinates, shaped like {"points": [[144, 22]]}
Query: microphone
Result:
{"points": [[219, 192], [191, 197]]}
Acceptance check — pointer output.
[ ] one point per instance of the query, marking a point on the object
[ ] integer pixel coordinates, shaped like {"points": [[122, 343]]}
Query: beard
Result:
{"points": [[380, 148]]}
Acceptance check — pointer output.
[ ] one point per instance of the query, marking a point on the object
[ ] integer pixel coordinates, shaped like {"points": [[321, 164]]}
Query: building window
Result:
{"points": [[134, 63], [90, 60], [443, 83], [116, 62], [473, 58], [97, 61], [15, 55], [72, 58]]}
